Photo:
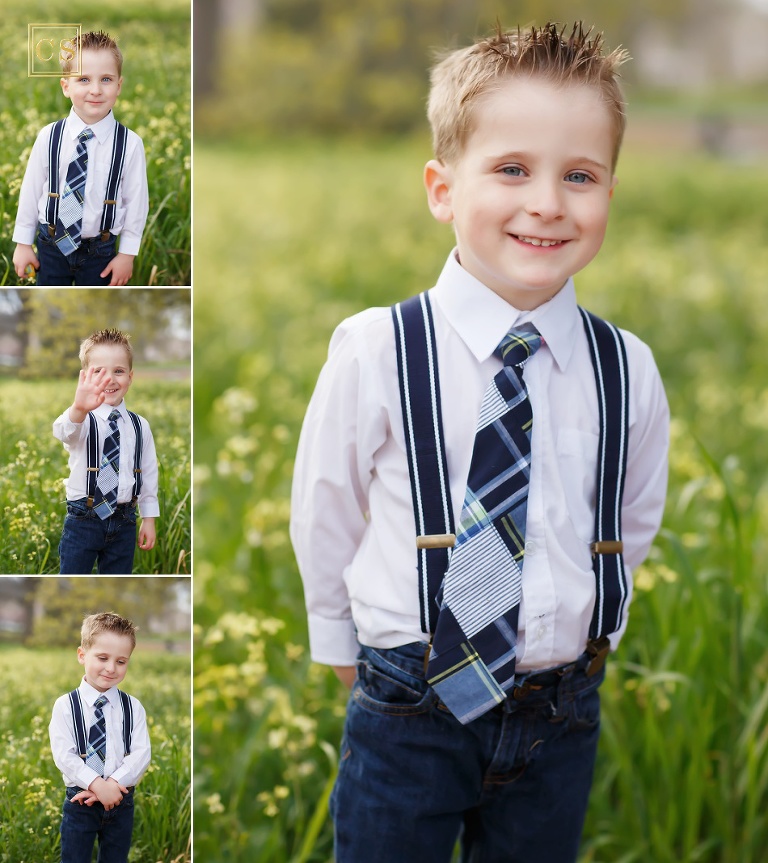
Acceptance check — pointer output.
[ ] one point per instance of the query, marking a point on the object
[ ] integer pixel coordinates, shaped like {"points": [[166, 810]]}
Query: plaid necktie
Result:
{"points": [[472, 661], [70, 220], [96, 753], [105, 498]]}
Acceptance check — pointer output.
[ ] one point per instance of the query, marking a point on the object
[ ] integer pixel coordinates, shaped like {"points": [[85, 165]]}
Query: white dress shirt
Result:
{"points": [[125, 769], [74, 436], [352, 522], [132, 195]]}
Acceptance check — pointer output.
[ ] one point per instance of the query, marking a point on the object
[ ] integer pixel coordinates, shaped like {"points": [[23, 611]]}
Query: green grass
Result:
{"points": [[683, 763], [31, 789], [154, 103], [33, 465]]}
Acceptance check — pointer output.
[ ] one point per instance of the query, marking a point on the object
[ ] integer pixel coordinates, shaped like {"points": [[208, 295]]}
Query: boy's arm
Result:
{"points": [[134, 197], [32, 186], [647, 457], [64, 745], [334, 465], [149, 506], [135, 764]]}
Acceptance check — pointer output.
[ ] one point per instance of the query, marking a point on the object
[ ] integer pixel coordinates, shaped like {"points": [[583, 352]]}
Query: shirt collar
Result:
{"points": [[89, 693], [482, 318], [104, 410], [102, 130]]}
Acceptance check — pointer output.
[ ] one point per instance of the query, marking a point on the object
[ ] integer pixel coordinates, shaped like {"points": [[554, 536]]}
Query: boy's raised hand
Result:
{"points": [[90, 393]]}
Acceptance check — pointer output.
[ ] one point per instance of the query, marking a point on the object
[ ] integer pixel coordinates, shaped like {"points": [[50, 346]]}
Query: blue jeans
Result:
{"points": [[513, 784], [81, 824], [82, 267], [87, 539]]}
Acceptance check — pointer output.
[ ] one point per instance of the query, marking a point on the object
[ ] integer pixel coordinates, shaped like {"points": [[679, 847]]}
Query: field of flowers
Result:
{"points": [[31, 790], [33, 465], [683, 772], [154, 103]]}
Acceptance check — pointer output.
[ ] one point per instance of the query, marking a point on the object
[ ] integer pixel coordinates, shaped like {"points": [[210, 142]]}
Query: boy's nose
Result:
{"points": [[545, 201]]}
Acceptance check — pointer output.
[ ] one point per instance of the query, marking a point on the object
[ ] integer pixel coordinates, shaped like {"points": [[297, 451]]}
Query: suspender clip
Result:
{"points": [[607, 546], [598, 650], [436, 540], [89, 502], [105, 236], [52, 230], [53, 194], [111, 202]]}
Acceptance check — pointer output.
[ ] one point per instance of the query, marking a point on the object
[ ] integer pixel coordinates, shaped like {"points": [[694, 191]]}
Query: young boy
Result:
{"points": [[474, 709], [101, 191], [112, 462], [100, 777]]}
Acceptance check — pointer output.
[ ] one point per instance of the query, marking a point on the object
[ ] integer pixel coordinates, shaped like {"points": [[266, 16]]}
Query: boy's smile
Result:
{"points": [[106, 660], [115, 360], [529, 195], [95, 90]]}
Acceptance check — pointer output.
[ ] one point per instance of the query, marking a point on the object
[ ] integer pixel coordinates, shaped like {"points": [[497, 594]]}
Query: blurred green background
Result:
{"points": [[310, 143]]}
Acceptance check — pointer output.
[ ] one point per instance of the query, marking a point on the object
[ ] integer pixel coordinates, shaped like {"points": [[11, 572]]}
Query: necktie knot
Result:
{"points": [[518, 346], [100, 702], [114, 416], [85, 135]]}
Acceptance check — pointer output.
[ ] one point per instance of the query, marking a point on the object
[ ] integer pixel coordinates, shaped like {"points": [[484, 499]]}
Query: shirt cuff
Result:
{"points": [[333, 642], [129, 245], [25, 236]]}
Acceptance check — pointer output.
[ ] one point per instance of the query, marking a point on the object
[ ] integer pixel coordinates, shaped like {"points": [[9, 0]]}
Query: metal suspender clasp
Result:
{"points": [[607, 546], [436, 540], [597, 650]]}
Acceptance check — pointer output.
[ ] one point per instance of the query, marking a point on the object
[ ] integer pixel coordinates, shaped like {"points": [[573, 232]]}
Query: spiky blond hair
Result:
{"points": [[461, 77], [95, 40], [105, 337], [107, 621]]}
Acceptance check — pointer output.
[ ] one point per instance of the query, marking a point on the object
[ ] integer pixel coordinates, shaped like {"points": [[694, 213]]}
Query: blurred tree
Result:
{"points": [[62, 604], [56, 322]]}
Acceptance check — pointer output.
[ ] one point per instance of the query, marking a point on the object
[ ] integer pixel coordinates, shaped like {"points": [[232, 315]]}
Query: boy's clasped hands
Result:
{"points": [[109, 792]]}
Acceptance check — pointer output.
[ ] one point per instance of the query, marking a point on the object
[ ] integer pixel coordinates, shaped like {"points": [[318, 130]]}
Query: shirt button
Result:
{"points": [[530, 547]]}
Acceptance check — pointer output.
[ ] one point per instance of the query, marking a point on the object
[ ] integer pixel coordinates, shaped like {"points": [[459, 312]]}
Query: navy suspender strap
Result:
{"points": [[92, 471], [419, 392], [137, 452], [54, 154], [609, 360], [93, 457], [115, 173], [422, 420], [78, 721], [125, 700]]}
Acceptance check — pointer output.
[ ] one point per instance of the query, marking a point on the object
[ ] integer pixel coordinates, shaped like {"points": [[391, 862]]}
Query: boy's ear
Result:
{"points": [[437, 181], [81, 656], [614, 183], [64, 86]]}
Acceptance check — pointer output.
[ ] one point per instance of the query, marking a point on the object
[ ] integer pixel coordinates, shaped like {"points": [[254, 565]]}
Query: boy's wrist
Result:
{"points": [[77, 415]]}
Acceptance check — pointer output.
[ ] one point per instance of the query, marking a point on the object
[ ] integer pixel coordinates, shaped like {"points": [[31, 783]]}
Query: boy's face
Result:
{"points": [[116, 361], [95, 91], [529, 196], [106, 660]]}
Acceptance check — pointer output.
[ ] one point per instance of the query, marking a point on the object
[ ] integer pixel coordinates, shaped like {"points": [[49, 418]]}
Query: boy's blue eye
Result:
{"points": [[512, 171], [578, 177]]}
